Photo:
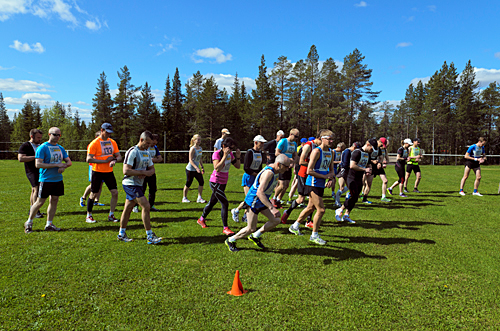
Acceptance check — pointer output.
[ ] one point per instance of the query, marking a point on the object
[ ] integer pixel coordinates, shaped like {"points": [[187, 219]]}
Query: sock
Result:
{"points": [[296, 225], [122, 231], [314, 235], [199, 196], [475, 191], [89, 214], [29, 221], [257, 234], [226, 227], [365, 198], [383, 196], [111, 213], [149, 232], [231, 239], [461, 190], [90, 205], [292, 207], [309, 218], [202, 218], [48, 223], [345, 189]]}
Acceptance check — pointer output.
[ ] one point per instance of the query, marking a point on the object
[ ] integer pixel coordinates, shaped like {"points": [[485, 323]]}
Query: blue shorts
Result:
{"points": [[247, 180], [133, 192]]}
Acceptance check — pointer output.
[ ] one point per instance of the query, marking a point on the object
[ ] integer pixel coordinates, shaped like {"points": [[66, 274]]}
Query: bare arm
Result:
{"points": [[24, 158], [354, 166], [264, 180], [191, 154], [39, 164], [305, 153], [310, 167], [237, 164], [128, 171]]}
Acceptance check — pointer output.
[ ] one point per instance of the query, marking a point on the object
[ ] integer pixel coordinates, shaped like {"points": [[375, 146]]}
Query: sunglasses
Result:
{"points": [[55, 134]]}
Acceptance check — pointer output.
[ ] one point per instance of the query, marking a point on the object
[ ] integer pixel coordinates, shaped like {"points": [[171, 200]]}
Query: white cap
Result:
{"points": [[259, 138], [280, 133], [226, 131], [408, 141]]}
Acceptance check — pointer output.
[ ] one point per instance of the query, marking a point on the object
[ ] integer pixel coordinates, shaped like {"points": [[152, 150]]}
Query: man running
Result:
{"points": [[103, 153], [296, 170], [359, 165], [48, 158], [288, 147], [258, 200], [218, 142], [270, 147], [401, 157], [154, 152], [86, 193], [137, 166], [414, 155], [343, 172], [474, 156], [368, 176], [337, 159], [383, 158], [320, 174], [26, 154]]}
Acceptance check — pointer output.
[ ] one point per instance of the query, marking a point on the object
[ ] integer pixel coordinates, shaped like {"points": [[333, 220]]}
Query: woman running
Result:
{"points": [[194, 169], [400, 167]]}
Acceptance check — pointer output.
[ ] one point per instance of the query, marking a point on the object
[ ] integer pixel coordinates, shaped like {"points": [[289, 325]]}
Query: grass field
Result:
{"points": [[428, 262]]}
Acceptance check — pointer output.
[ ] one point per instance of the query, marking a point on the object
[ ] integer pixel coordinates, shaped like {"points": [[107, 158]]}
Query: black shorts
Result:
{"points": [[191, 175], [50, 188], [400, 170], [301, 186], [377, 172], [33, 178], [99, 177], [412, 167], [472, 164], [319, 191], [297, 169], [256, 211], [286, 176]]}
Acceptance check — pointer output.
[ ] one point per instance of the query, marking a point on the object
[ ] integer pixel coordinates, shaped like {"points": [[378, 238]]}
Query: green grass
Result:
{"points": [[428, 262]]}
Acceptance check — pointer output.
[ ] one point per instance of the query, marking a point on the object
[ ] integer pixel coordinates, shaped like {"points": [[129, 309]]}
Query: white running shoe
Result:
{"points": [[90, 219], [338, 215], [317, 240], [477, 194], [201, 200], [236, 214], [185, 200], [135, 209], [461, 193], [347, 219]]}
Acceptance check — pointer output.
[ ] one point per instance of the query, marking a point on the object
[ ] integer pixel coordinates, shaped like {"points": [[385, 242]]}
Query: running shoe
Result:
{"points": [[477, 194], [97, 203], [135, 209], [461, 193], [317, 240], [348, 195], [415, 190], [338, 204], [284, 217], [244, 218], [124, 238], [384, 199], [405, 190], [153, 239], [52, 227], [153, 208], [289, 202], [227, 231], [402, 195], [236, 214], [276, 203], [295, 231], [82, 202], [389, 190], [185, 200], [309, 225], [112, 218], [38, 215], [498, 188], [202, 223], [28, 227], [231, 245], [338, 215], [256, 241], [367, 202], [302, 205], [201, 200], [347, 219], [90, 219]]}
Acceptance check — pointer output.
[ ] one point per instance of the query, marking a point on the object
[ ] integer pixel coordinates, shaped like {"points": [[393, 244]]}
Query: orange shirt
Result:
{"points": [[102, 149]]}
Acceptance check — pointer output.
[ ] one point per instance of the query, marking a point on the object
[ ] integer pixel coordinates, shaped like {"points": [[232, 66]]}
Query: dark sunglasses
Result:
{"points": [[55, 134]]}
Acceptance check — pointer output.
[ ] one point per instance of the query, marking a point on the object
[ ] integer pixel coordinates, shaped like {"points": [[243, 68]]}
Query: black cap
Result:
{"points": [[416, 139], [373, 142], [108, 127]]}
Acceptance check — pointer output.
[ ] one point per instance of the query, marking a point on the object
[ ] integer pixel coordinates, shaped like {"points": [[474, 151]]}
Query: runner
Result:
{"points": [[400, 167], [194, 169], [368, 176], [474, 156], [252, 166], [270, 147], [258, 200], [359, 165], [296, 169], [414, 156], [222, 160], [154, 152], [103, 153], [86, 193], [320, 174], [48, 158], [26, 154], [305, 152], [383, 158], [337, 159], [343, 172], [137, 165], [288, 147], [218, 142]]}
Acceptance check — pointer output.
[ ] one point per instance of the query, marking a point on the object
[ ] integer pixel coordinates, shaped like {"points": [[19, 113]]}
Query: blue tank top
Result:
{"points": [[251, 199], [322, 167]]}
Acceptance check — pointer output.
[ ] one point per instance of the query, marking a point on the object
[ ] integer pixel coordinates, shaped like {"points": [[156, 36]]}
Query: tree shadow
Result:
{"points": [[334, 253], [171, 189], [172, 219], [383, 225], [114, 227], [381, 241]]}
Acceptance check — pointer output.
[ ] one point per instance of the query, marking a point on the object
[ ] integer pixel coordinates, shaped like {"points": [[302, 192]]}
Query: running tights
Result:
{"points": [[218, 194]]}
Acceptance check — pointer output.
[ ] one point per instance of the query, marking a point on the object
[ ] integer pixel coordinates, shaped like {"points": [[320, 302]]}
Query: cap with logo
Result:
{"points": [[383, 141], [108, 127], [280, 133], [303, 140], [407, 141], [259, 138], [373, 142]]}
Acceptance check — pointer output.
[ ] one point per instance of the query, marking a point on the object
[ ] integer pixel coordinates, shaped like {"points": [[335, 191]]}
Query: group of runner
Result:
{"points": [[268, 169]]}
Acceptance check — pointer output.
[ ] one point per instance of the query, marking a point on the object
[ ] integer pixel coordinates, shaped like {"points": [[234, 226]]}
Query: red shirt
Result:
{"points": [[303, 168]]}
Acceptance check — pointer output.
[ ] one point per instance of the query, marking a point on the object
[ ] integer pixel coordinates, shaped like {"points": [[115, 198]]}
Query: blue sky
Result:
{"points": [[54, 50]]}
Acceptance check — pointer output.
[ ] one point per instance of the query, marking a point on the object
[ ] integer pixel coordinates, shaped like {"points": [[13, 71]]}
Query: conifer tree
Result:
{"points": [[123, 116], [279, 77], [102, 104], [5, 127]]}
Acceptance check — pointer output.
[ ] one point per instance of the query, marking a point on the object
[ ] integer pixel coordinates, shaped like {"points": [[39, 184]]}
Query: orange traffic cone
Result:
{"points": [[237, 289]]}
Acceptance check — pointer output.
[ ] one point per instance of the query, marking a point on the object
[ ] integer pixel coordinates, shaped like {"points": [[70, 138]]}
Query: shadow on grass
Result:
{"points": [[172, 219], [381, 241], [171, 189], [219, 240], [114, 227], [335, 253], [404, 225]]}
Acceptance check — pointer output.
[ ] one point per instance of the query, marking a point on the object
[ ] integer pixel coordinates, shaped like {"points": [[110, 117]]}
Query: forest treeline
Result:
{"points": [[307, 95]]}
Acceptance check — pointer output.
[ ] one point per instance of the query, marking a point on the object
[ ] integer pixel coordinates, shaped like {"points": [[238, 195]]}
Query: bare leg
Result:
{"points": [[286, 183], [478, 178], [114, 200], [417, 181], [464, 178], [186, 189], [36, 206], [146, 219], [251, 226], [86, 192], [320, 210], [200, 190], [51, 209], [127, 209]]}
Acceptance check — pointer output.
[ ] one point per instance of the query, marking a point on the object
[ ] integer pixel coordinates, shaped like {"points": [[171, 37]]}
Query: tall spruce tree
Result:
{"points": [[148, 116], [313, 74], [123, 116], [467, 108], [5, 128], [295, 108], [102, 104], [330, 99], [490, 103], [279, 77]]}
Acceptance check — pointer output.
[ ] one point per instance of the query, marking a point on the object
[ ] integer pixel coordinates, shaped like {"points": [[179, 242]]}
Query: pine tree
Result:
{"points": [[166, 109], [123, 116], [102, 104], [180, 117], [279, 77], [148, 116], [330, 99], [313, 74], [467, 108], [5, 127], [490, 102], [295, 109], [194, 88]]}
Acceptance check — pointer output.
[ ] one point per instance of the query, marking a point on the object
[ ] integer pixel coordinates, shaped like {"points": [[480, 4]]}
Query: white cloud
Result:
{"points": [[170, 45], [42, 99], [82, 103], [25, 47], [424, 80], [403, 44], [11, 7], [93, 25], [432, 8], [361, 4], [211, 53], [497, 55], [487, 76], [227, 81], [2, 68], [10, 84]]}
